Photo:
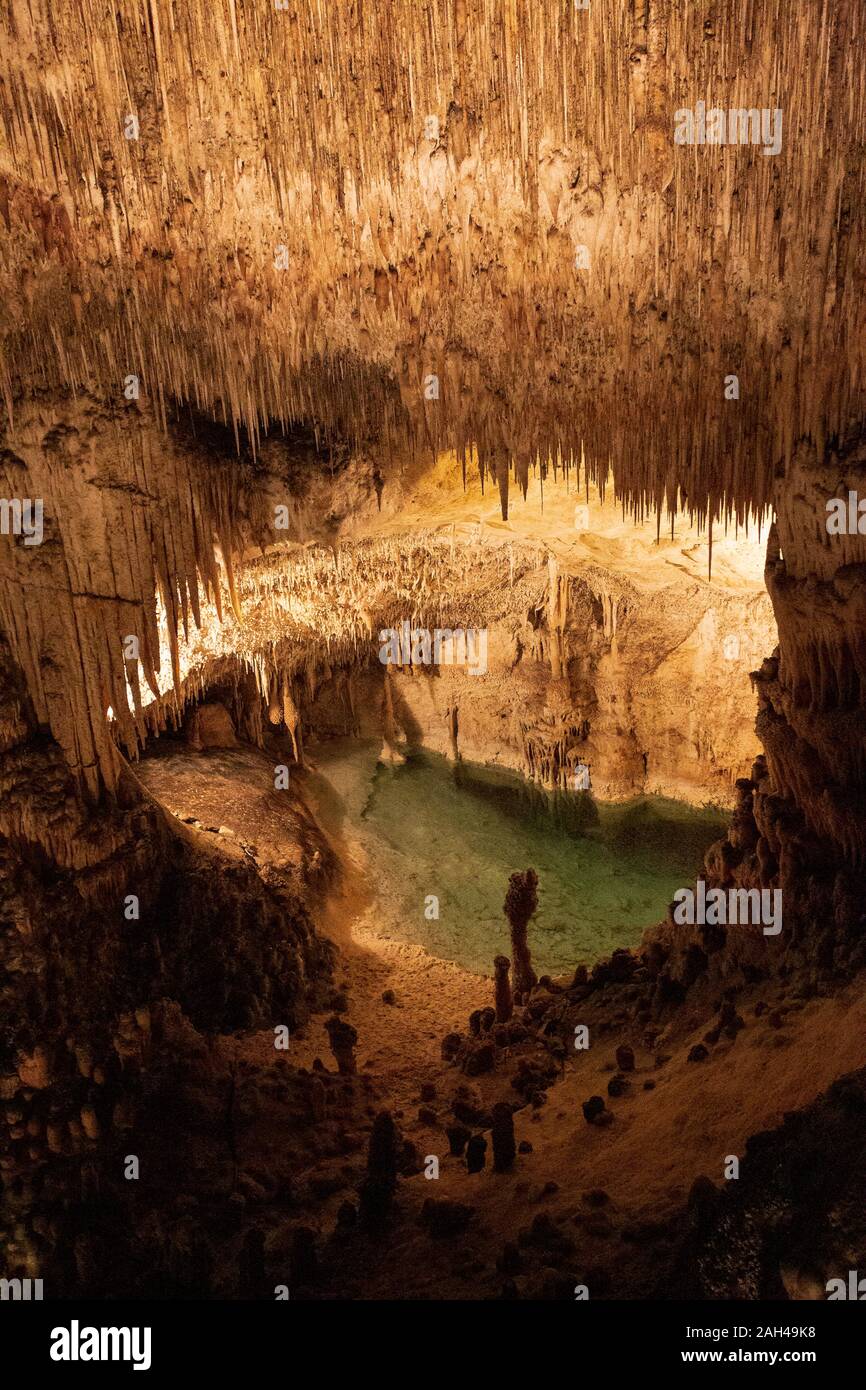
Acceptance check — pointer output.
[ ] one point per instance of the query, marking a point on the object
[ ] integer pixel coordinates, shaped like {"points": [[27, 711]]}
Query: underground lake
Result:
{"points": [[434, 829]]}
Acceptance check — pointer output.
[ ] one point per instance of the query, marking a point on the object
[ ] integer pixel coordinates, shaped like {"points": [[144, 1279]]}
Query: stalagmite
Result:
{"points": [[521, 901], [380, 1183], [502, 987], [476, 1153], [342, 1037]]}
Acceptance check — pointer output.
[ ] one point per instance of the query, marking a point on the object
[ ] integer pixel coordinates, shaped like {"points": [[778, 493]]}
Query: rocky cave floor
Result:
{"points": [[270, 1147]]}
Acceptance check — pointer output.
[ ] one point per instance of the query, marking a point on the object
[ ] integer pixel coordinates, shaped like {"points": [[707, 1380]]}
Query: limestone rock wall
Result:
{"points": [[653, 706], [812, 717], [105, 914]]}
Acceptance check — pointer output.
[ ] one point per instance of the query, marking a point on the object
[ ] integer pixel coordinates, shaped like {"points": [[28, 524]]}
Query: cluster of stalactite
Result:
{"points": [[313, 614], [163, 580], [161, 574], [371, 217], [308, 613], [130, 529]]}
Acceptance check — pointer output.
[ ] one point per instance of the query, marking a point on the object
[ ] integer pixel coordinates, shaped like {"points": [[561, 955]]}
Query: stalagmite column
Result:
{"points": [[342, 1037], [557, 615], [390, 750], [521, 901], [502, 989], [380, 1184], [453, 733]]}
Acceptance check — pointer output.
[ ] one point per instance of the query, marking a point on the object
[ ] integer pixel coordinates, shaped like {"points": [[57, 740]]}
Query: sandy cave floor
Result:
{"points": [[662, 1138], [233, 789]]}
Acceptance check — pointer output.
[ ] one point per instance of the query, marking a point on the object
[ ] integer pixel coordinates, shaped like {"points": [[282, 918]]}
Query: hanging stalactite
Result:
{"points": [[492, 244]]}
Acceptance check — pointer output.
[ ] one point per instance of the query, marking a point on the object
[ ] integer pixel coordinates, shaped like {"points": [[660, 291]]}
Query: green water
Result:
{"points": [[605, 871]]}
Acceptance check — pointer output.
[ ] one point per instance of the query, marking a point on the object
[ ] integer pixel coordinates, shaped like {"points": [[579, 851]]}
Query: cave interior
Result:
{"points": [[432, 649]]}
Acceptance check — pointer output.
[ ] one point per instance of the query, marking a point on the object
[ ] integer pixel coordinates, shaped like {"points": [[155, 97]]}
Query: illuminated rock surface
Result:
{"points": [[281, 291]]}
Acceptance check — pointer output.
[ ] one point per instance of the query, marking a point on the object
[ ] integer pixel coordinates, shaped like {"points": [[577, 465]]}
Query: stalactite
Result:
{"points": [[229, 289], [116, 583], [241, 211], [274, 710], [557, 615], [292, 720]]}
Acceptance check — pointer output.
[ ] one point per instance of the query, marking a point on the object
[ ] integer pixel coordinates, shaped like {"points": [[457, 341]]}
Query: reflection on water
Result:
{"points": [[605, 871]]}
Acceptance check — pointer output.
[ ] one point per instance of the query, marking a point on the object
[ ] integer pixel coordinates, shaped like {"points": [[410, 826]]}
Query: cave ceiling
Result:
{"points": [[285, 210]]}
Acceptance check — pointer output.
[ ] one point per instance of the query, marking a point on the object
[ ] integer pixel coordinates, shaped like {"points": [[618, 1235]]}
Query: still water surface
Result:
{"points": [[606, 871]]}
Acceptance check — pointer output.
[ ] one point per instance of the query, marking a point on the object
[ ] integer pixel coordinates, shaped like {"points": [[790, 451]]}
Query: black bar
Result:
{"points": [[298, 1340]]}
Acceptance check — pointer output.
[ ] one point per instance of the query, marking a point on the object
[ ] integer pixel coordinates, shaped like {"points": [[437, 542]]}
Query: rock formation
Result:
{"points": [[502, 986], [521, 900], [532, 321], [342, 1037], [380, 1184]]}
